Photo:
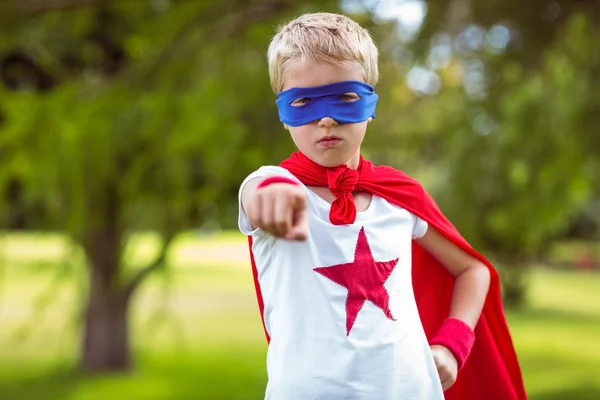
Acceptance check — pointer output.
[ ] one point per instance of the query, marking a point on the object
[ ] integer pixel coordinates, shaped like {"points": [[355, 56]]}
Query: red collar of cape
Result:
{"points": [[492, 370]]}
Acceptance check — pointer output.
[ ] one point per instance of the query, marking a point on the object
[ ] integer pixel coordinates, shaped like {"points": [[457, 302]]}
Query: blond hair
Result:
{"points": [[321, 37]]}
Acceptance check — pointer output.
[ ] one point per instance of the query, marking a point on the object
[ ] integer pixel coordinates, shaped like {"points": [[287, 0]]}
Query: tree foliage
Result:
{"points": [[117, 117], [148, 120]]}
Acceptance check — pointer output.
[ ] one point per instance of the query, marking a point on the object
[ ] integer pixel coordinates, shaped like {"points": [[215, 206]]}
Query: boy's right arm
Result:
{"points": [[280, 209]]}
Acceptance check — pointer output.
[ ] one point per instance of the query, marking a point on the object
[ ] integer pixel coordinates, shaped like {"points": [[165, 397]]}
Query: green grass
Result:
{"points": [[197, 333], [557, 336]]}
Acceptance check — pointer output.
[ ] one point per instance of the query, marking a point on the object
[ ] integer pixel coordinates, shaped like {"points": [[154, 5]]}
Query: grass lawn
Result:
{"points": [[197, 333]]}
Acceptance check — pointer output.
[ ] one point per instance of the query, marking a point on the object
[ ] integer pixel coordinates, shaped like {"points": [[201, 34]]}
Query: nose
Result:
{"points": [[327, 122]]}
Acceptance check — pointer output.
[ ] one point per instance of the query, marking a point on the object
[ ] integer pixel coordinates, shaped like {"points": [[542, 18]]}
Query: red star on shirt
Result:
{"points": [[364, 279]]}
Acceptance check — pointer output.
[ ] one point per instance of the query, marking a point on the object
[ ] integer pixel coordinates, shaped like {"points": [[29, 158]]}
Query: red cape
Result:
{"points": [[492, 370]]}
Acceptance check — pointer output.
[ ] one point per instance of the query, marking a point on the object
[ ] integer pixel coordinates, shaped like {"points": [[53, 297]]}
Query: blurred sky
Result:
{"points": [[408, 13]]}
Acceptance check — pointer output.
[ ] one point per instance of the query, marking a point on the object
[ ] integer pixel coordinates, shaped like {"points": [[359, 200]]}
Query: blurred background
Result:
{"points": [[126, 128]]}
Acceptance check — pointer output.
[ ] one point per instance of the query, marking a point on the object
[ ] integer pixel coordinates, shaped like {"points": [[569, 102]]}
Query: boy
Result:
{"points": [[366, 291]]}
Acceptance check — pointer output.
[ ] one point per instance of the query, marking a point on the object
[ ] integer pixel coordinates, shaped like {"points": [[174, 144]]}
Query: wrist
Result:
{"points": [[276, 179], [456, 336]]}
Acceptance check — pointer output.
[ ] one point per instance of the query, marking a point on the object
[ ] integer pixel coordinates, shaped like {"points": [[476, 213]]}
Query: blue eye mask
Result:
{"points": [[324, 101]]}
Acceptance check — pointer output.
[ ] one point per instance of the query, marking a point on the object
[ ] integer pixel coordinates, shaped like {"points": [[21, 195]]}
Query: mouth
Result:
{"points": [[329, 141]]}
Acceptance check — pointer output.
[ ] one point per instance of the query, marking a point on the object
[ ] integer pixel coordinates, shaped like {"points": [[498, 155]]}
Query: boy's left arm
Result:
{"points": [[472, 281]]}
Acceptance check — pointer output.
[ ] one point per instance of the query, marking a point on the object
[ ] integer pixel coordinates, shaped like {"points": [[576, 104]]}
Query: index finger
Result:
{"points": [[299, 229]]}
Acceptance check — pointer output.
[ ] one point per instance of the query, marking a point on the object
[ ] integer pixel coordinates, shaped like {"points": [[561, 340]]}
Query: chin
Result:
{"points": [[327, 158], [331, 162]]}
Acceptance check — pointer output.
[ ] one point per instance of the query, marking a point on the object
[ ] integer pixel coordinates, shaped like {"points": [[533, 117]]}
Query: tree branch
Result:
{"points": [[35, 6], [227, 23], [155, 265], [235, 23]]}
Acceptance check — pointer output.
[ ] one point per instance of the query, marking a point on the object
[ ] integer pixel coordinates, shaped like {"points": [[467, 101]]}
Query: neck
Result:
{"points": [[353, 162]]}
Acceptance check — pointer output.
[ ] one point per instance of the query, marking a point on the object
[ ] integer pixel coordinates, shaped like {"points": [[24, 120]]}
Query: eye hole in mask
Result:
{"points": [[346, 97]]}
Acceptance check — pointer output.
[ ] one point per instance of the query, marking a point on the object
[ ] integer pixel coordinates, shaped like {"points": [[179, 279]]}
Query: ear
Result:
{"points": [[287, 128], [370, 119]]}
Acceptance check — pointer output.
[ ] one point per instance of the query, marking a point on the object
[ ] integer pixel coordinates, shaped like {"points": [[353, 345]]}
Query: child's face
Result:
{"points": [[325, 141]]}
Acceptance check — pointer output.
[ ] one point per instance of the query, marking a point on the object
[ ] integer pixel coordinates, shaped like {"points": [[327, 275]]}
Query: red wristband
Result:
{"points": [[276, 179], [458, 337]]}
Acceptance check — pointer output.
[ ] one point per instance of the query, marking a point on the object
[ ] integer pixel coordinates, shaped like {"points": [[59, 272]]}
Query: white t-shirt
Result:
{"points": [[340, 309]]}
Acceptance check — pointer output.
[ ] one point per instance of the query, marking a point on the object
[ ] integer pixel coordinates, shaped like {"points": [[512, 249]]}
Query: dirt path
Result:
{"points": [[234, 253]]}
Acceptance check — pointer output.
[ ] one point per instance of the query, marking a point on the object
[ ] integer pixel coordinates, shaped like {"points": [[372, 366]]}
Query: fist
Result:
{"points": [[446, 365], [280, 209]]}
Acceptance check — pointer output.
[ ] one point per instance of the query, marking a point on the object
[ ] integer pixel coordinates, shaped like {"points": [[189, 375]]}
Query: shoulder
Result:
{"points": [[397, 174], [269, 170], [396, 184]]}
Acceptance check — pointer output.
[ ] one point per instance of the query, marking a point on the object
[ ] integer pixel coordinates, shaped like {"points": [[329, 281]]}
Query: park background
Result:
{"points": [[127, 126]]}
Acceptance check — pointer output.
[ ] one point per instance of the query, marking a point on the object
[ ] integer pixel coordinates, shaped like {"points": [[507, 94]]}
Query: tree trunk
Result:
{"points": [[514, 275], [106, 334]]}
